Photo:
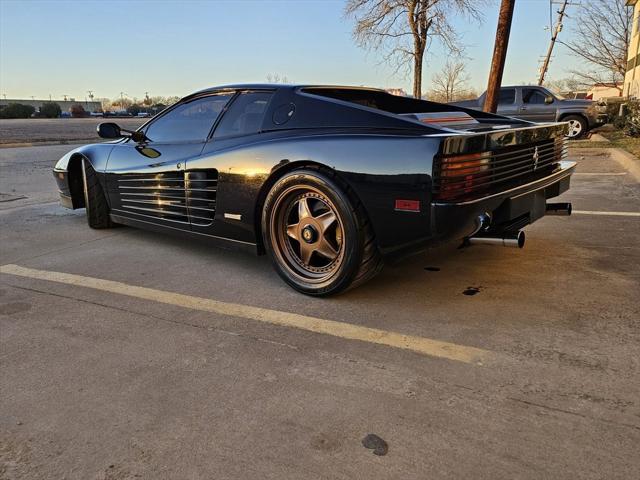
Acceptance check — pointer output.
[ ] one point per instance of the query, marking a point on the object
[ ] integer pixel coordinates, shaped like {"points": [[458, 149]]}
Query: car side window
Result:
{"points": [[532, 95], [244, 116], [507, 96], [190, 121]]}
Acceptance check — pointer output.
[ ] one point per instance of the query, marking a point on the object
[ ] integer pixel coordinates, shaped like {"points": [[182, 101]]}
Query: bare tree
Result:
{"points": [[569, 84], [601, 38], [407, 28], [449, 84], [277, 78]]}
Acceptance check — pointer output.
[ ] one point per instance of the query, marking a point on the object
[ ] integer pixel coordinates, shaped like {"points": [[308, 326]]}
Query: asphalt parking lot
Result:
{"points": [[513, 364]]}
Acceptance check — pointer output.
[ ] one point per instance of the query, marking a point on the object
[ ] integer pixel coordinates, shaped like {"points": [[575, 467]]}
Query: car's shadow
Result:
{"points": [[420, 276]]}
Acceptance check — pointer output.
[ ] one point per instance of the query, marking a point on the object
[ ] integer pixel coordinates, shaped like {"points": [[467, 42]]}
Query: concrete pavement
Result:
{"points": [[98, 384]]}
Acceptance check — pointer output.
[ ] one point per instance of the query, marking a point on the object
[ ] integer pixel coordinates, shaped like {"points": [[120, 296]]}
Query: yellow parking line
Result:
{"points": [[422, 345], [615, 214]]}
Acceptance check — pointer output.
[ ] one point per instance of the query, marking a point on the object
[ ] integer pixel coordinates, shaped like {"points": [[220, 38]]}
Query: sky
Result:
{"points": [[169, 47]]}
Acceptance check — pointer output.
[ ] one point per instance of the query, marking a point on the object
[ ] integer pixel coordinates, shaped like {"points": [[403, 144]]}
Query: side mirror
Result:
{"points": [[109, 130], [548, 99], [112, 130]]}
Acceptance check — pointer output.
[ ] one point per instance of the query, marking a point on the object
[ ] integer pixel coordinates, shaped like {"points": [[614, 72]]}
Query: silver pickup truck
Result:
{"points": [[537, 104]]}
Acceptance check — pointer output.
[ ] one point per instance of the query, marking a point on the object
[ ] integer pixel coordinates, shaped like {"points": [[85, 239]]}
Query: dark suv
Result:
{"points": [[537, 104]]}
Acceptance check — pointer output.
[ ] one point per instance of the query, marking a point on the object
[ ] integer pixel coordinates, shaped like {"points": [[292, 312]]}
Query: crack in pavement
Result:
{"points": [[67, 248], [569, 412], [155, 317]]}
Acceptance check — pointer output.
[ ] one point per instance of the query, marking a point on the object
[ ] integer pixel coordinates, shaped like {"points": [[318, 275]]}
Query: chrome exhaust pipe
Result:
{"points": [[506, 239], [558, 209]]}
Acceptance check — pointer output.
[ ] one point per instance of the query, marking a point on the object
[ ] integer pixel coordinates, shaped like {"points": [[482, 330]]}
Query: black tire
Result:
{"points": [[94, 200], [288, 234], [577, 126]]}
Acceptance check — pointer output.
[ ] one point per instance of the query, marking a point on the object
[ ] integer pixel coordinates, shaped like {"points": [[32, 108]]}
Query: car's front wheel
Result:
{"points": [[95, 201], [317, 234], [577, 126]]}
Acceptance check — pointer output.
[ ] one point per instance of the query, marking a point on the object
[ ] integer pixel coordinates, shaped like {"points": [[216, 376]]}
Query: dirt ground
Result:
{"points": [[63, 130]]}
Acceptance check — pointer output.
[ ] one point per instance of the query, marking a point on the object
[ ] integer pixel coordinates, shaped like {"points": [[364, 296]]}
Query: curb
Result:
{"points": [[596, 137], [628, 161]]}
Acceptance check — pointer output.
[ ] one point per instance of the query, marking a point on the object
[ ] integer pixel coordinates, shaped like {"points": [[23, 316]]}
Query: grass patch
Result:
{"points": [[616, 138]]}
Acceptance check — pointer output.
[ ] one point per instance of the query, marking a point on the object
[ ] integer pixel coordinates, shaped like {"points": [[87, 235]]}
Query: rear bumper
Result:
{"points": [[510, 209]]}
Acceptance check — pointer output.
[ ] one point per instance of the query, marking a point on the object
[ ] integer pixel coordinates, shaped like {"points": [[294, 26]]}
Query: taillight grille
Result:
{"points": [[462, 177]]}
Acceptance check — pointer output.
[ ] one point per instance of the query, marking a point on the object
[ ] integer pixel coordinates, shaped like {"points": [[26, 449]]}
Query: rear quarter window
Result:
{"points": [[244, 116]]}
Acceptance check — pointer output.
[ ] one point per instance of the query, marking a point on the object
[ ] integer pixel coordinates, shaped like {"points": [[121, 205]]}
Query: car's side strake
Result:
{"points": [[176, 196]]}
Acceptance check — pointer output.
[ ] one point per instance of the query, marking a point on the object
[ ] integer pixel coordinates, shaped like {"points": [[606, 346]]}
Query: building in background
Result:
{"points": [[600, 91], [397, 91], [65, 105], [632, 77]]}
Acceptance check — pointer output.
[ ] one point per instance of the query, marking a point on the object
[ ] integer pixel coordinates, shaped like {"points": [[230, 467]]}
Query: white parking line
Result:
{"points": [[422, 345], [596, 174], [615, 214]]}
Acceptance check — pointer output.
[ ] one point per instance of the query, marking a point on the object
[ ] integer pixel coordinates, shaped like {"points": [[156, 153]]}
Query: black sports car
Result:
{"points": [[328, 181]]}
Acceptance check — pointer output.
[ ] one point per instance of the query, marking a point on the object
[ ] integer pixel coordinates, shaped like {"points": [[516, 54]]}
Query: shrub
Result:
{"points": [[629, 121], [632, 119], [134, 109], [17, 110], [50, 110], [78, 111]]}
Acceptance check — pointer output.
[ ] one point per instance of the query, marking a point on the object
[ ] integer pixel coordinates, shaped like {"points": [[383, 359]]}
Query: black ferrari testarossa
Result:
{"points": [[328, 181]]}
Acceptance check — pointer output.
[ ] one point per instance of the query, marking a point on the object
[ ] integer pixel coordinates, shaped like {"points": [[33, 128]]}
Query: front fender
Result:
{"points": [[97, 154], [68, 171], [563, 112]]}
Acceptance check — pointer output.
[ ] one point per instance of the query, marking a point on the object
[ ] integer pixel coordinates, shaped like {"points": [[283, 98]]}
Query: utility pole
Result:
{"points": [[499, 55], [556, 30]]}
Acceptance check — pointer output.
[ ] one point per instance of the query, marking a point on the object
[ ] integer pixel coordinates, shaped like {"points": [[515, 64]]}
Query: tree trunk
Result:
{"points": [[417, 75]]}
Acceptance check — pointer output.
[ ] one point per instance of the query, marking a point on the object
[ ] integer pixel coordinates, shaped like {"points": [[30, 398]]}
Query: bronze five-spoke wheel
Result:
{"points": [[311, 232], [319, 243]]}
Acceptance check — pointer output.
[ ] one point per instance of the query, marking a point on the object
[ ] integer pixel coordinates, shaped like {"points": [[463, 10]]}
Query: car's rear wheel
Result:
{"points": [[95, 201], [577, 126], [317, 234]]}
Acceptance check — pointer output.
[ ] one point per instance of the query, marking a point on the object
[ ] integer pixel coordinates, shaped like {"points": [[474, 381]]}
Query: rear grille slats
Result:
{"points": [[188, 197], [497, 173], [469, 176], [509, 166], [488, 180], [526, 155]]}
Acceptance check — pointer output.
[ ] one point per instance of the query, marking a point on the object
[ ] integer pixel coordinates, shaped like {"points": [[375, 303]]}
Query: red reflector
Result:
{"points": [[408, 205]]}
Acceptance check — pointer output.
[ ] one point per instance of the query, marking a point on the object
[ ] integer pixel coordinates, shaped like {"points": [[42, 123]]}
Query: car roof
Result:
{"points": [[280, 86], [522, 86]]}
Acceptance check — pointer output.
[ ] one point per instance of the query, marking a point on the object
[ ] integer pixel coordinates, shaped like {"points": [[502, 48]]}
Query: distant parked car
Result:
{"points": [[537, 104], [143, 115]]}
